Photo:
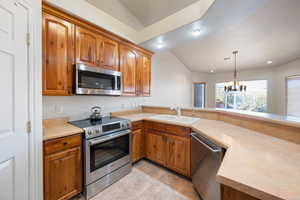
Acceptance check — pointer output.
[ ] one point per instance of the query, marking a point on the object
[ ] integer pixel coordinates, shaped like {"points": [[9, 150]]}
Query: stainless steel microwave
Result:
{"points": [[97, 81]]}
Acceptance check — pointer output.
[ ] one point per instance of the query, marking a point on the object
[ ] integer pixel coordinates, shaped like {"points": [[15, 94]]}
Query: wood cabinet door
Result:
{"points": [[145, 76], [155, 147], [63, 174], [58, 56], [137, 145], [110, 54], [87, 47], [128, 63], [178, 154]]}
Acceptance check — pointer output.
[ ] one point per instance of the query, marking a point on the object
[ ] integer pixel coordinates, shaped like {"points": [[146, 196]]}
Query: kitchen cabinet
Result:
{"points": [[87, 47], [138, 141], [96, 50], [58, 56], [143, 75], [128, 66], [68, 40], [110, 54], [168, 145], [229, 193], [62, 168], [178, 154], [156, 147]]}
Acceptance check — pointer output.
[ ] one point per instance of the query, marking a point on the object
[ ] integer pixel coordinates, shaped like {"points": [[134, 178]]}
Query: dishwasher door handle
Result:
{"points": [[213, 149]]}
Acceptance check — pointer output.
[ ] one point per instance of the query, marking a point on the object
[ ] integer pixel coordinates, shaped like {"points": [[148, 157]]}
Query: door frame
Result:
{"points": [[205, 86], [35, 137]]}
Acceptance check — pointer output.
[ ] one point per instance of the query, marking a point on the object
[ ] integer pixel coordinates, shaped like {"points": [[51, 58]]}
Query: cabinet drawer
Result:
{"points": [[137, 125], [61, 144], [168, 128]]}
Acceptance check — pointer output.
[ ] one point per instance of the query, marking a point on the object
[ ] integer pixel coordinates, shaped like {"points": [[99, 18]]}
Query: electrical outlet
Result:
{"points": [[58, 109]]}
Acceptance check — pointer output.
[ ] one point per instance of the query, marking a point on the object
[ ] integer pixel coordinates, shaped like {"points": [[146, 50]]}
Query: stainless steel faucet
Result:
{"points": [[177, 109]]}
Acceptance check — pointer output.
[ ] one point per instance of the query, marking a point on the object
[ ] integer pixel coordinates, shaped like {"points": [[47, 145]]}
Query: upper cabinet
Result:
{"points": [[144, 75], [87, 43], [58, 56], [110, 54], [136, 71], [96, 50], [68, 40], [128, 67]]}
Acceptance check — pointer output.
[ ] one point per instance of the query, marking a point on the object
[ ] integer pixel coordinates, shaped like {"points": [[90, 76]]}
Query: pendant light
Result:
{"points": [[235, 85]]}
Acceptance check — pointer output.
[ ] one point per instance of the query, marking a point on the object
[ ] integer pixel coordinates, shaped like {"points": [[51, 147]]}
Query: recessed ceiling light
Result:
{"points": [[196, 32], [160, 45], [269, 62]]}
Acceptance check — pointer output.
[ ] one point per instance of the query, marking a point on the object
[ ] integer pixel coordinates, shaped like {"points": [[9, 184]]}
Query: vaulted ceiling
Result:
{"points": [[151, 11], [271, 33], [262, 30]]}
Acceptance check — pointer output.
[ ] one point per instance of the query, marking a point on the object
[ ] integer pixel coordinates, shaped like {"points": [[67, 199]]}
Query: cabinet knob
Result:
{"points": [[65, 143]]}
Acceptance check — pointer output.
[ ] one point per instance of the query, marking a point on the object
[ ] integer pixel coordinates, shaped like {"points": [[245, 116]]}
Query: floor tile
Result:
{"points": [[148, 181]]}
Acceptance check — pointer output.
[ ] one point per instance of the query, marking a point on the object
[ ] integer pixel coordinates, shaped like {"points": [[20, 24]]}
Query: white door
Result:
{"points": [[13, 101]]}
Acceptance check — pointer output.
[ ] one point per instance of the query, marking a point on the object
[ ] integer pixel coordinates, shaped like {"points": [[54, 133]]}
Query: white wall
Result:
{"points": [[275, 77], [116, 9], [171, 85]]}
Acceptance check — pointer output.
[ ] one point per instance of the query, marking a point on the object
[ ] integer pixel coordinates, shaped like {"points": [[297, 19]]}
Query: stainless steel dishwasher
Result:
{"points": [[206, 160]]}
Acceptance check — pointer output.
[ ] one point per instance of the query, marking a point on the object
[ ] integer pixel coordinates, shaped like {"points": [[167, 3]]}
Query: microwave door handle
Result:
{"points": [[116, 82], [108, 137]]}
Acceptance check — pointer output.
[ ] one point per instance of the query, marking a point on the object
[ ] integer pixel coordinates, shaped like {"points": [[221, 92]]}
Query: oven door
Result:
{"points": [[97, 81], [106, 154]]}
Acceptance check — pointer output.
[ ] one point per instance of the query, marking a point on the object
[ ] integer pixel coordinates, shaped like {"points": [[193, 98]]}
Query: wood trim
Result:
{"points": [[50, 9]]}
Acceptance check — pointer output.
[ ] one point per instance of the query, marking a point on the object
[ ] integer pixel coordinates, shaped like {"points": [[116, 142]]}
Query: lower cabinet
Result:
{"points": [[62, 168], [178, 154], [168, 145], [137, 145], [164, 144], [137, 141], [156, 147], [229, 193]]}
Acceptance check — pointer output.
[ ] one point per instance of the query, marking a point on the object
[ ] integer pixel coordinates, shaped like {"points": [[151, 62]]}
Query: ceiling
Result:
{"points": [[261, 30], [271, 33], [139, 14], [150, 11]]}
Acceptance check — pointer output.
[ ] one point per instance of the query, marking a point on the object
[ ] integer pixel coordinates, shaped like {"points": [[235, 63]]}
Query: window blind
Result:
{"points": [[293, 96]]}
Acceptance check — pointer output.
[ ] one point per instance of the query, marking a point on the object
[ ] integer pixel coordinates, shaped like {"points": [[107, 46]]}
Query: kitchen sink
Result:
{"points": [[175, 118]]}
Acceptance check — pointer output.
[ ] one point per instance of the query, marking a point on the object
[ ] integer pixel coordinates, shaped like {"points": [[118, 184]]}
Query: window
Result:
{"points": [[293, 96], [254, 99], [199, 95]]}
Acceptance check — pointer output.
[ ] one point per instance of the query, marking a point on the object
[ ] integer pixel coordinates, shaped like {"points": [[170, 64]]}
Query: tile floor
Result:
{"points": [[148, 181]]}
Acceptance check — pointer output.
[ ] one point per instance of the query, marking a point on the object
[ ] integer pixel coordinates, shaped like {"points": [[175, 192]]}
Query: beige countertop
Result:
{"points": [[268, 117], [57, 128], [262, 166]]}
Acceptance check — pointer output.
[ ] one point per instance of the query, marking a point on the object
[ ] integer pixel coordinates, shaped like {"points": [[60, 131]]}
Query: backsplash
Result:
{"points": [[78, 107]]}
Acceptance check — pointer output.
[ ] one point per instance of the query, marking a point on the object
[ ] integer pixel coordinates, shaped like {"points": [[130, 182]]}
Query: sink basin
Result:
{"points": [[175, 118]]}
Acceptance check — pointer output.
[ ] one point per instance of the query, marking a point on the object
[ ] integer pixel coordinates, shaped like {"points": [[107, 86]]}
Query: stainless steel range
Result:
{"points": [[107, 154]]}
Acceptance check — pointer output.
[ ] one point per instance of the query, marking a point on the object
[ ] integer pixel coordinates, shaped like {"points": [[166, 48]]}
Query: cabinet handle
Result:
{"points": [[90, 53]]}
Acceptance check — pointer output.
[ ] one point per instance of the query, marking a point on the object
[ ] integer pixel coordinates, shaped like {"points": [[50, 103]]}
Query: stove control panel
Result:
{"points": [[98, 130]]}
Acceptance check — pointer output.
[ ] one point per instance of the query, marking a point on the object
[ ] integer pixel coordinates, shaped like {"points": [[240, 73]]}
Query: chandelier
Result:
{"points": [[235, 85]]}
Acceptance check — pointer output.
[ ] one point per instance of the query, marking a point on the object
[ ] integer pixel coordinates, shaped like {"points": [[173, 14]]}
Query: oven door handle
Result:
{"points": [[109, 137]]}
